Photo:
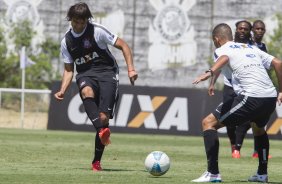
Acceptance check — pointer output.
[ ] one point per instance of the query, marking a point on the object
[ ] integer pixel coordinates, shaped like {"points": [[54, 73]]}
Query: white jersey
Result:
{"points": [[102, 36], [248, 65]]}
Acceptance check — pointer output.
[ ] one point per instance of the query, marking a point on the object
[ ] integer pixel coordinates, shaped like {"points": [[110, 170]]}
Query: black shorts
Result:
{"points": [[106, 92], [228, 93], [242, 109]]}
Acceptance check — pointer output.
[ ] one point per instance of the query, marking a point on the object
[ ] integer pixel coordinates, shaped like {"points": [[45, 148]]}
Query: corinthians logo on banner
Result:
{"points": [[171, 35], [20, 10], [171, 22]]}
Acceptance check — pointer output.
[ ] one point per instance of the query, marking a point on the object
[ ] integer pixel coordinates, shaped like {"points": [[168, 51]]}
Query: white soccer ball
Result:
{"points": [[157, 163]]}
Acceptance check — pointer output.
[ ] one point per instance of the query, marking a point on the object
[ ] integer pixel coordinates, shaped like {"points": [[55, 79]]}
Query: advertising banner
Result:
{"points": [[153, 110]]}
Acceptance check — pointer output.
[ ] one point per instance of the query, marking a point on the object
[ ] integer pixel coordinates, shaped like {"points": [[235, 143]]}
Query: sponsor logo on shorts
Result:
{"points": [[82, 83]]}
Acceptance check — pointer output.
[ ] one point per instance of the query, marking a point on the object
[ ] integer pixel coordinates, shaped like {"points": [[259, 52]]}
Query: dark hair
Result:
{"points": [[80, 11], [258, 22], [223, 31], [245, 21]]}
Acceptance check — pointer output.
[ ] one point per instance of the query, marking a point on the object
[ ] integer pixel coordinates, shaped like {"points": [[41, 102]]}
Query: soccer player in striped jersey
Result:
{"points": [[85, 45]]}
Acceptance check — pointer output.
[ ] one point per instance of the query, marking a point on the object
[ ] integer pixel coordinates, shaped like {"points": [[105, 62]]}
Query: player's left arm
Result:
{"points": [[277, 65], [212, 83], [122, 45], [221, 61]]}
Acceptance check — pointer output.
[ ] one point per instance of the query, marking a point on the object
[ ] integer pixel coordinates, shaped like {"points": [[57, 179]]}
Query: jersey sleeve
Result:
{"points": [[65, 53], [220, 52], [104, 37], [215, 56]]}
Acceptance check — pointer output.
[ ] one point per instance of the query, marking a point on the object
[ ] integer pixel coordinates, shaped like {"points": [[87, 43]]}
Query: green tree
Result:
{"points": [[274, 45], [39, 75], [3, 54]]}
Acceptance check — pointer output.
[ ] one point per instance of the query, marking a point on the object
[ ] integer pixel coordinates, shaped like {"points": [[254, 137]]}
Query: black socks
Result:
{"points": [[231, 134], [99, 148], [92, 112], [241, 131], [262, 145], [212, 147]]}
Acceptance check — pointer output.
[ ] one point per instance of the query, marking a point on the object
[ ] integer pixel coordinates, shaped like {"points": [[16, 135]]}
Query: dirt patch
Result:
{"points": [[31, 120]]}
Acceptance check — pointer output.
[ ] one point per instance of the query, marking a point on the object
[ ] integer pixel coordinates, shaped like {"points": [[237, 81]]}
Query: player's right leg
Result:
{"points": [[210, 126], [87, 88]]}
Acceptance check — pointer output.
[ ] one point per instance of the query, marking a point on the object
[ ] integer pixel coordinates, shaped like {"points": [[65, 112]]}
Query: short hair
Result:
{"points": [[80, 11], [258, 22], [222, 31], [245, 21]]}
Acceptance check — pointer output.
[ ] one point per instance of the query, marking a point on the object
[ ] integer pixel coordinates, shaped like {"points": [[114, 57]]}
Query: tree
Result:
{"points": [[38, 76], [4, 64], [274, 46]]}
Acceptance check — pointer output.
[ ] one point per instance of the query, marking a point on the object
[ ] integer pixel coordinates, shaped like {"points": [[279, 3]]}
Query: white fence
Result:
{"points": [[13, 105]]}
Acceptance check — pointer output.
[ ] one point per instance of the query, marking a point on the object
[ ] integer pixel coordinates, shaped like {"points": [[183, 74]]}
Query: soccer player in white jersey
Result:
{"points": [[86, 46], [236, 134], [255, 102]]}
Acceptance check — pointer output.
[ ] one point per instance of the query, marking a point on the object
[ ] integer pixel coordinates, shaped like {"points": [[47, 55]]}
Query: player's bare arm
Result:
{"points": [[277, 65], [122, 45], [222, 60], [67, 78], [212, 82]]}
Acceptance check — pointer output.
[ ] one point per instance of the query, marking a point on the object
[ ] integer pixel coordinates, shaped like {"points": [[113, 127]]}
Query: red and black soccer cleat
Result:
{"points": [[96, 166], [104, 136]]}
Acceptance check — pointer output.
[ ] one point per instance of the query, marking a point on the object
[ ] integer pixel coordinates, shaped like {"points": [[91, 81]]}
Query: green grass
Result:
{"points": [[40, 156]]}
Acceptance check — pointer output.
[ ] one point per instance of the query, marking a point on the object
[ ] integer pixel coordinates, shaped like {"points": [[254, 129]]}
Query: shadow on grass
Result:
{"points": [[149, 176], [113, 170], [130, 170], [159, 177], [244, 181], [117, 170]]}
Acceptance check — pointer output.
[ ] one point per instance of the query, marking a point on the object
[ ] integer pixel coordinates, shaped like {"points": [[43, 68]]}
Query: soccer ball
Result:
{"points": [[157, 163]]}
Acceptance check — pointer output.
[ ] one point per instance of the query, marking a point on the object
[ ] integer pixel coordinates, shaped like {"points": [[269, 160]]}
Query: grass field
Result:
{"points": [[40, 156]]}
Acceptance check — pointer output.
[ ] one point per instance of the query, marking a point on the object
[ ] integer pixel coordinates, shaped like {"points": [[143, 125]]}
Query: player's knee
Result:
{"points": [[206, 123], [87, 92], [209, 122]]}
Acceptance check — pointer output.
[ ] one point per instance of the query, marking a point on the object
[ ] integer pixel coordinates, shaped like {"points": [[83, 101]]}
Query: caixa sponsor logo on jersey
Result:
{"points": [[176, 115], [86, 58]]}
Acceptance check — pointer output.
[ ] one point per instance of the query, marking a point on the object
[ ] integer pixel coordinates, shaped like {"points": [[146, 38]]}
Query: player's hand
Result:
{"points": [[132, 76], [279, 98], [202, 77], [59, 95], [211, 90]]}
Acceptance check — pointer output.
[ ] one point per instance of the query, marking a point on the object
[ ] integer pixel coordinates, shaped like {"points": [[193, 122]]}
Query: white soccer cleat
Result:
{"points": [[208, 177], [259, 178]]}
